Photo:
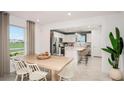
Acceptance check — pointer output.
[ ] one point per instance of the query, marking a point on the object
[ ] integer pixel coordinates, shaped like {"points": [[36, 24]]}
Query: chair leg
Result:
{"points": [[27, 76], [16, 78], [86, 60], [22, 77], [45, 79], [60, 79]]}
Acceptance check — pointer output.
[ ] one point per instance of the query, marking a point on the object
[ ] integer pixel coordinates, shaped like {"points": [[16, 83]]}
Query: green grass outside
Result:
{"points": [[16, 45], [16, 53]]}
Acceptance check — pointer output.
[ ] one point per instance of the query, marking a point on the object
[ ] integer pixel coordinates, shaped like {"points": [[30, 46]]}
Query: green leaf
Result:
{"points": [[118, 40], [109, 50], [116, 50], [110, 62], [121, 45], [112, 57], [106, 50], [113, 40], [112, 50], [117, 33]]}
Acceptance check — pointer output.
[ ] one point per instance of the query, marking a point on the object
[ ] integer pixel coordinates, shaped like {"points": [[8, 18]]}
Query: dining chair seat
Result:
{"points": [[37, 75], [21, 71]]}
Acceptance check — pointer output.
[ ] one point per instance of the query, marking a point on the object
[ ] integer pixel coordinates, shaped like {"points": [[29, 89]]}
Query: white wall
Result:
{"points": [[107, 24], [38, 46], [96, 42], [17, 21]]}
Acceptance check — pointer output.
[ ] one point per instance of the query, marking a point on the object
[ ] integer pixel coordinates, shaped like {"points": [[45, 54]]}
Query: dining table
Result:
{"points": [[55, 64]]}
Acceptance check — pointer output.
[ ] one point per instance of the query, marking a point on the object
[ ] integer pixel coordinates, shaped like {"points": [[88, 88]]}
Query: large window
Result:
{"points": [[16, 43], [80, 37]]}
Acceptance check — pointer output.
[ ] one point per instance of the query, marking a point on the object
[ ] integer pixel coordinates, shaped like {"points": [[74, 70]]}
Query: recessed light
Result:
{"points": [[38, 20], [89, 26], [69, 14]]}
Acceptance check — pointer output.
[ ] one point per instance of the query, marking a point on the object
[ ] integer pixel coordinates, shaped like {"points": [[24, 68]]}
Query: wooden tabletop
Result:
{"points": [[54, 62]]}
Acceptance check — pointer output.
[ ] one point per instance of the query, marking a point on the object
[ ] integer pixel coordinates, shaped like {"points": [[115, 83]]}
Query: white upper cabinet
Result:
{"points": [[69, 38], [59, 35]]}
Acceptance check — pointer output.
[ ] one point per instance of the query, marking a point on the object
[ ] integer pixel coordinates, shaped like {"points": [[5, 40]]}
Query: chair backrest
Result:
{"points": [[85, 52], [33, 67], [18, 58], [19, 65]]}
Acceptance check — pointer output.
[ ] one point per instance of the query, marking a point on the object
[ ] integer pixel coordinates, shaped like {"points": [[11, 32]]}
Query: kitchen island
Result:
{"points": [[72, 52]]}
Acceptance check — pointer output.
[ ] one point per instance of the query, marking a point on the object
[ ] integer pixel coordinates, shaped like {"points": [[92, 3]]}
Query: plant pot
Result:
{"points": [[115, 74]]}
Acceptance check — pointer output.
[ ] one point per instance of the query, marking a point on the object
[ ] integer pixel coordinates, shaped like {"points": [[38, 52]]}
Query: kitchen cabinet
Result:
{"points": [[69, 38]]}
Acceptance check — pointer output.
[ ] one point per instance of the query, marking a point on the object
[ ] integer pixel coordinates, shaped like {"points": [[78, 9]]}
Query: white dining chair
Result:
{"points": [[21, 70], [35, 74], [68, 72]]}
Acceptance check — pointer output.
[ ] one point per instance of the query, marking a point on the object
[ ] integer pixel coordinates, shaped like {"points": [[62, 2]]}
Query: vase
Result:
{"points": [[115, 74]]}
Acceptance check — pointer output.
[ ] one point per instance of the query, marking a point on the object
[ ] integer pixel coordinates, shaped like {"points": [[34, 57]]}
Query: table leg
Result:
{"points": [[54, 76]]}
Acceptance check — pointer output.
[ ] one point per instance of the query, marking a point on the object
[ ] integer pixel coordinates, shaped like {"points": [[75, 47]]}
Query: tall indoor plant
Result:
{"points": [[115, 51]]}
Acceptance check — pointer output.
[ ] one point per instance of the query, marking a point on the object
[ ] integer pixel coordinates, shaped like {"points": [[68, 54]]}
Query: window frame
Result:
{"points": [[82, 35], [24, 35]]}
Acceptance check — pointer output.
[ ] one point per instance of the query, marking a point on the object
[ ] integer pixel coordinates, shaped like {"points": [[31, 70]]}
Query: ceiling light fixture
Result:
{"points": [[89, 26], [69, 14]]}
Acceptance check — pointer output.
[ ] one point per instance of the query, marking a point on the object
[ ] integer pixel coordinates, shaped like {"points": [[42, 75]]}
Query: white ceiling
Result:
{"points": [[47, 17]]}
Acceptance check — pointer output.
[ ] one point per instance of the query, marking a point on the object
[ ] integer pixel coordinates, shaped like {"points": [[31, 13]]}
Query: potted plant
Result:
{"points": [[115, 51]]}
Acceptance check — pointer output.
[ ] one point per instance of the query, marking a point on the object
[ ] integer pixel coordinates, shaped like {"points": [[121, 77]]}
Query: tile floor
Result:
{"points": [[89, 72]]}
